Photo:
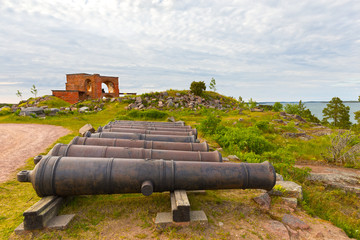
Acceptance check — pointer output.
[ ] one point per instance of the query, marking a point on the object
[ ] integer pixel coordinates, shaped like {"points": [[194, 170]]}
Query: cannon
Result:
{"points": [[68, 176], [135, 124], [144, 131], [179, 123], [116, 142], [71, 150], [139, 136], [168, 129]]}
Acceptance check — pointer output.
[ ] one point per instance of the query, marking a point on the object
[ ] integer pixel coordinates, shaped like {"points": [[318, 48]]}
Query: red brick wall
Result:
{"points": [[71, 97]]}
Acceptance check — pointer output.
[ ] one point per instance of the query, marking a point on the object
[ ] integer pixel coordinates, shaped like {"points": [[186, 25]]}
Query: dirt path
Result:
{"points": [[19, 142]]}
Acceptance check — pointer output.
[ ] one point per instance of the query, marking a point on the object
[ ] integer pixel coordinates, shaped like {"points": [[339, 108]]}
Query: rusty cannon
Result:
{"points": [[71, 150], [145, 131], [67, 176], [168, 129], [139, 136], [116, 142]]}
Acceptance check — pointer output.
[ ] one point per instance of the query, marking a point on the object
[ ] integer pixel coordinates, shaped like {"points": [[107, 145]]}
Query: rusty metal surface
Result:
{"points": [[116, 142], [67, 176], [139, 136], [85, 151], [144, 131]]}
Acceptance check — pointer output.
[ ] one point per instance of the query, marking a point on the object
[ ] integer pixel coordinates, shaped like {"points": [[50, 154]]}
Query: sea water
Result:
{"points": [[316, 108]]}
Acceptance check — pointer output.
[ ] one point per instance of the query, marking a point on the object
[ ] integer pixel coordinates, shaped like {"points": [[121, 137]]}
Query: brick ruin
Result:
{"points": [[83, 86]]}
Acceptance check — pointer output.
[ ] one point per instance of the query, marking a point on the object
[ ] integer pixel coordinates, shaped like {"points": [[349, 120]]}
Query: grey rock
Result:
{"points": [[291, 202], [170, 119], [53, 111], [292, 189], [264, 201], [279, 177], [233, 158], [302, 136], [84, 109], [300, 119], [277, 229], [178, 94], [85, 128], [160, 104], [294, 222], [32, 110]]}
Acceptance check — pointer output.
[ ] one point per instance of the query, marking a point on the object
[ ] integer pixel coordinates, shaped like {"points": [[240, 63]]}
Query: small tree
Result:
{"points": [[33, 90], [252, 103], [19, 94], [197, 87], [277, 107], [213, 84], [338, 112]]}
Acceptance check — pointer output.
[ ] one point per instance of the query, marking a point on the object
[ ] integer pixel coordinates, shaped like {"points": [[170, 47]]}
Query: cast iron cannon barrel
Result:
{"points": [[67, 176], [135, 124], [116, 142], [71, 150], [170, 129], [139, 136], [179, 123], [144, 131]]}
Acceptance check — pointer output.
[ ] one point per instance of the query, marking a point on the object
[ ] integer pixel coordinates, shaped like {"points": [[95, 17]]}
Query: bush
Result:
{"points": [[147, 115], [197, 87], [277, 107], [243, 139], [209, 125], [5, 111]]}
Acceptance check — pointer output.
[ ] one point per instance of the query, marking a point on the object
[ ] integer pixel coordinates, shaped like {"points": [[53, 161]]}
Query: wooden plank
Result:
{"points": [[180, 206], [38, 215]]}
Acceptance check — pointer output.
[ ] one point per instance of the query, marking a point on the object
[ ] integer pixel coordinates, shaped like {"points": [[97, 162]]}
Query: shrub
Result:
{"points": [[197, 87], [209, 125], [277, 107], [147, 115], [5, 111]]}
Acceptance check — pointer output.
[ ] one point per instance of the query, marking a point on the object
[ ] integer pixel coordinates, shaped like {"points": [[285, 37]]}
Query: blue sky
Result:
{"points": [[265, 50]]}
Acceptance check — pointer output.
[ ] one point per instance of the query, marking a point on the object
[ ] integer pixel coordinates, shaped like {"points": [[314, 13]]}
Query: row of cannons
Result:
{"points": [[141, 157]]}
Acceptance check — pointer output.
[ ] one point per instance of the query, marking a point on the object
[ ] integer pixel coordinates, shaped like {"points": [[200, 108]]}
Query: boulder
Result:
{"points": [[32, 110], [294, 222], [85, 128], [84, 109], [264, 201], [292, 189], [277, 229]]}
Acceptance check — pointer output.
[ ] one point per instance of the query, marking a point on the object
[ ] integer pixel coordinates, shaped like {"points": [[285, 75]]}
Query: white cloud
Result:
{"points": [[258, 45]]}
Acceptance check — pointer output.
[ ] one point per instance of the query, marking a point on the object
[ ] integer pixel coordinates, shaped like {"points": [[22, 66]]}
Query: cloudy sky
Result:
{"points": [[266, 50]]}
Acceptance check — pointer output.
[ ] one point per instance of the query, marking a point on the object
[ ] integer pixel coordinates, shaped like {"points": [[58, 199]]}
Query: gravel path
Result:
{"points": [[18, 142]]}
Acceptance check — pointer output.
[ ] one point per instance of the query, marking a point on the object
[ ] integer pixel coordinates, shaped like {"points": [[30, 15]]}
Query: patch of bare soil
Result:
{"points": [[19, 142]]}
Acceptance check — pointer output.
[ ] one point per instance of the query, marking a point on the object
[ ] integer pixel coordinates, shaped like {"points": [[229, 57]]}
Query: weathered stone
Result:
{"points": [[160, 104], [291, 202], [294, 222], [85, 128], [292, 189], [233, 158], [264, 201], [347, 181], [32, 110], [302, 136], [279, 177], [83, 109], [171, 119], [53, 111], [277, 229], [278, 120], [256, 109], [177, 94], [138, 100], [299, 118]]}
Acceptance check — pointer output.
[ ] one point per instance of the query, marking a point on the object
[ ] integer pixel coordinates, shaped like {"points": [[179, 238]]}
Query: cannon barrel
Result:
{"points": [[71, 150], [139, 136], [144, 131], [179, 123], [169, 129], [135, 124], [67, 176], [116, 142]]}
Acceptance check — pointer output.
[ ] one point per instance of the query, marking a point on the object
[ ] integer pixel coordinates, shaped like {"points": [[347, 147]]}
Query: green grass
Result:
{"points": [[94, 213]]}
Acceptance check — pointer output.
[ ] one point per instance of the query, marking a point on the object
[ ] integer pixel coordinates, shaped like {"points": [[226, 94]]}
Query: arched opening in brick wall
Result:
{"points": [[108, 87], [88, 85]]}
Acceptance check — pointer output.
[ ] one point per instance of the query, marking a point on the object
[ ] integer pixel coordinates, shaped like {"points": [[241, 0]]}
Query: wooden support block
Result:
{"points": [[180, 206], [38, 215]]}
